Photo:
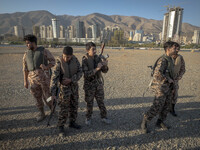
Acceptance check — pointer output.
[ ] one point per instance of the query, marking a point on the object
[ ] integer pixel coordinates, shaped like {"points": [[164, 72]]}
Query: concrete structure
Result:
{"points": [[195, 38], [172, 24], [43, 32], [62, 32], [131, 36], [70, 32], [18, 31], [80, 29], [36, 31], [89, 32], [49, 32], [55, 26], [138, 37]]}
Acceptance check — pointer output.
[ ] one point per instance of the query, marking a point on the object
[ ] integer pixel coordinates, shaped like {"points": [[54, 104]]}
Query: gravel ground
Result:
{"points": [[125, 83]]}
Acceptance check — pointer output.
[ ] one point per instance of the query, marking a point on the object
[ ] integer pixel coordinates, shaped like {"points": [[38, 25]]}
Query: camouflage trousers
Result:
{"points": [[68, 103], [39, 88], [161, 104], [175, 95], [98, 94]]}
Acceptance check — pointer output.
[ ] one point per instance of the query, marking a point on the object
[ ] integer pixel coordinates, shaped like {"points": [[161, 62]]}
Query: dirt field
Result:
{"points": [[125, 83]]}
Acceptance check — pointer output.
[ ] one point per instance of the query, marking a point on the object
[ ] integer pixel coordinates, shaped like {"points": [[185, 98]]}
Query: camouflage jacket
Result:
{"points": [[92, 79], [161, 74], [57, 74]]}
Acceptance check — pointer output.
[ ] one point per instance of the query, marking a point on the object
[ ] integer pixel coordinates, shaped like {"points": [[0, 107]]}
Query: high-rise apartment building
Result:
{"points": [[49, 32], [138, 35], [43, 32], [18, 31], [172, 24], [89, 32], [70, 32], [36, 31], [195, 38], [62, 32], [131, 36], [55, 25], [80, 29]]}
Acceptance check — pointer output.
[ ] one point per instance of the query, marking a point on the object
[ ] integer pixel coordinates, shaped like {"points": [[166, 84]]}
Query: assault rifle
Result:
{"points": [[151, 67], [54, 106], [102, 49]]}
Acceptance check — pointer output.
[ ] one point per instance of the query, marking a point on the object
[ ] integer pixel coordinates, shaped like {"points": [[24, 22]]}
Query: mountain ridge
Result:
{"points": [[127, 23]]}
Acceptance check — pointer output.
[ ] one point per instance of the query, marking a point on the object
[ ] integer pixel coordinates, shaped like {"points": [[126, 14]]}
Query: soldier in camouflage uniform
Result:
{"points": [[162, 86], [92, 66], [66, 73], [179, 70], [37, 62]]}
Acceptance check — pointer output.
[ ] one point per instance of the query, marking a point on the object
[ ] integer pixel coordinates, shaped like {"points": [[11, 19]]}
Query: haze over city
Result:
{"points": [[153, 9]]}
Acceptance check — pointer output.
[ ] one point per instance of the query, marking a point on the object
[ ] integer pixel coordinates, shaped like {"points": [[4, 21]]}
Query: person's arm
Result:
{"points": [[89, 73], [25, 72], [55, 78], [182, 69], [50, 58], [160, 70], [79, 73]]}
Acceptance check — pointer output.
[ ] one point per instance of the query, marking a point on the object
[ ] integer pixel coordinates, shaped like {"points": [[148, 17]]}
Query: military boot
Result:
{"points": [[74, 125], [61, 131], [41, 116], [173, 111], [144, 125], [161, 124]]}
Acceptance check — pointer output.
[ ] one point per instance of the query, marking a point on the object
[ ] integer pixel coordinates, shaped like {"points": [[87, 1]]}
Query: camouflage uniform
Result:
{"points": [[162, 89], [68, 97], [93, 85], [179, 69], [39, 80]]}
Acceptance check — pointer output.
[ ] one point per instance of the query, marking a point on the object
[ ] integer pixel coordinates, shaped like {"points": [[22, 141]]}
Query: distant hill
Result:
{"points": [[127, 23]]}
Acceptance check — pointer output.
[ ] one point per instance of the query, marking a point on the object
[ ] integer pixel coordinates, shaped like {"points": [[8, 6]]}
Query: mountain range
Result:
{"points": [[127, 23]]}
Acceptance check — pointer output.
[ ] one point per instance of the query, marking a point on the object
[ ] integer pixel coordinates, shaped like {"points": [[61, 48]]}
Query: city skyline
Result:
{"points": [[154, 9]]}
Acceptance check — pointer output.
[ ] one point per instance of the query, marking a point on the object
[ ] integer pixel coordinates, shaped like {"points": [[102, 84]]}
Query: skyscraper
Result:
{"points": [[172, 24], [131, 36], [94, 31], [89, 32], [62, 32], [138, 35], [195, 38], [49, 32], [36, 31], [43, 32], [80, 29], [18, 31], [55, 26]]}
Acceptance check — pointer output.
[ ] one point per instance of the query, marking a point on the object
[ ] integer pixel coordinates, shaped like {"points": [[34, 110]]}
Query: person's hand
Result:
{"points": [[105, 62], [26, 84], [66, 81], [99, 66], [170, 81], [43, 67], [53, 98]]}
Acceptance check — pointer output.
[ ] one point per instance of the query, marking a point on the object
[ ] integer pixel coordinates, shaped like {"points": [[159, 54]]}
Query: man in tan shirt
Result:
{"points": [[37, 62]]}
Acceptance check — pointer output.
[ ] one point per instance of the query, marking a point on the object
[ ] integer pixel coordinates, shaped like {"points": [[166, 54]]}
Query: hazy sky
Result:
{"points": [[150, 9]]}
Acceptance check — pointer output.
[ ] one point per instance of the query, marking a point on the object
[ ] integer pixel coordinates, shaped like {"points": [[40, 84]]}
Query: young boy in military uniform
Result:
{"points": [[66, 73], [162, 85], [92, 66], [37, 62]]}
